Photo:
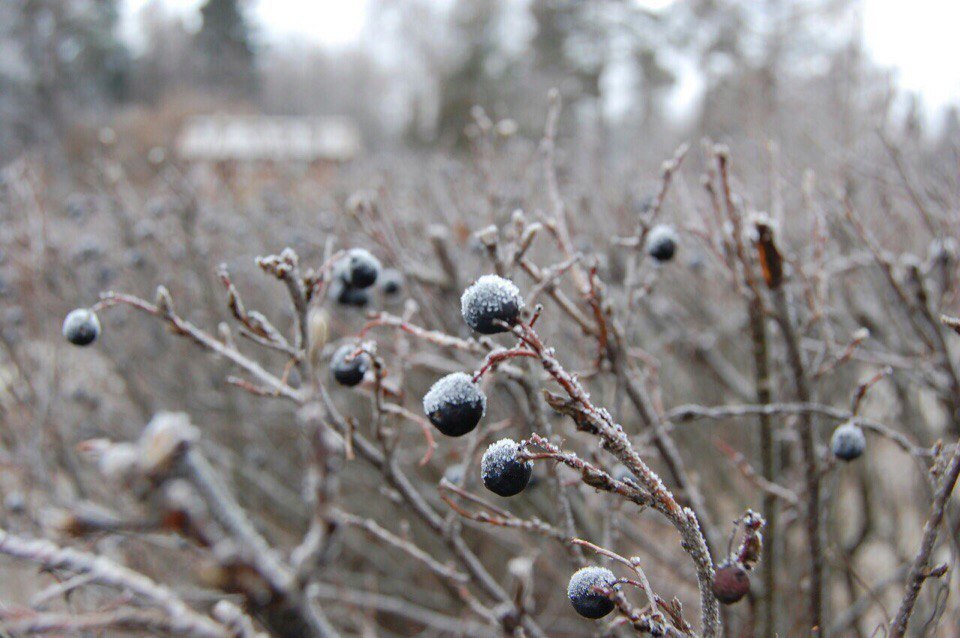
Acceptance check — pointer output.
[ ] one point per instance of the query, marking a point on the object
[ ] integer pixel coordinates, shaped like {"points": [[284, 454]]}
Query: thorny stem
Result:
{"points": [[399, 481], [203, 339], [631, 563], [558, 226], [353, 440], [183, 620], [659, 429], [599, 422], [686, 413], [768, 449], [590, 474], [496, 357], [300, 616], [772, 270], [808, 445], [919, 571]]}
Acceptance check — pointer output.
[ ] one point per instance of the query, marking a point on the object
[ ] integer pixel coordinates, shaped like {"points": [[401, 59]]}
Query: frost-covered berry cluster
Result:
{"points": [[361, 268], [353, 276], [455, 404]]}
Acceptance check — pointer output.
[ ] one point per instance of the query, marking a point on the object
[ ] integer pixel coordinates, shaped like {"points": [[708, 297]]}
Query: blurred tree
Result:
{"points": [[60, 59], [298, 79], [167, 62], [568, 47], [468, 79], [225, 45]]}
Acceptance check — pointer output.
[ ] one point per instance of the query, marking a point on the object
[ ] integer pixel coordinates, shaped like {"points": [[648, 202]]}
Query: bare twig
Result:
{"points": [[183, 620], [919, 571]]}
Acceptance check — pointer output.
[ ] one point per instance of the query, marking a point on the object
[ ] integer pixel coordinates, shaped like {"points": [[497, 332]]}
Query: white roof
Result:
{"points": [[258, 137]]}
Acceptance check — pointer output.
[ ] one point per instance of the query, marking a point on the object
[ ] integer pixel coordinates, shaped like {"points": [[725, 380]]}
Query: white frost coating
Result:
{"points": [[119, 460], [498, 456], [586, 578], [457, 388], [848, 441], [339, 357], [81, 319], [661, 233], [166, 435], [362, 255], [489, 296]]}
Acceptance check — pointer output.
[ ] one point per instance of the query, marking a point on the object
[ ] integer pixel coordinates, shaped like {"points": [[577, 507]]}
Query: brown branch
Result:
{"points": [[183, 620], [919, 571]]}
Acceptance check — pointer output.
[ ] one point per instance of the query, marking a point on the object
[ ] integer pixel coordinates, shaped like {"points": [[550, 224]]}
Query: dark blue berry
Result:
{"points": [[391, 282], [81, 327], [662, 242], [583, 594], [361, 268], [349, 372], [502, 472], [491, 302], [347, 295], [848, 441], [455, 404]]}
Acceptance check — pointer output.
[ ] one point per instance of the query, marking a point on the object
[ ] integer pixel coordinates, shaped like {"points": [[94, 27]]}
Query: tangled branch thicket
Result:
{"points": [[739, 422]]}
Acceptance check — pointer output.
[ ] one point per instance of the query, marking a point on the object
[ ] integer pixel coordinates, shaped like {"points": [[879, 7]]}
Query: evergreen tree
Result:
{"points": [[62, 58], [224, 43], [467, 81]]}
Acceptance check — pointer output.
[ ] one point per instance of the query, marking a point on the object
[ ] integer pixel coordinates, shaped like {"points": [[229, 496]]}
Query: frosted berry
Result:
{"points": [[848, 441], [81, 327], [361, 268], [455, 473], [391, 282], [731, 583], [502, 472], [347, 295], [583, 594], [349, 373], [455, 404], [662, 242], [491, 300]]}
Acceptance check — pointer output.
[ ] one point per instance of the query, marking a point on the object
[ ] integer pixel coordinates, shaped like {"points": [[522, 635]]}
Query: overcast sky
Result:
{"points": [[915, 37]]}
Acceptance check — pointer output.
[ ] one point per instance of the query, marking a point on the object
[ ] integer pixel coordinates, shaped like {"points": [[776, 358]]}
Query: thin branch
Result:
{"points": [[920, 571], [183, 620]]}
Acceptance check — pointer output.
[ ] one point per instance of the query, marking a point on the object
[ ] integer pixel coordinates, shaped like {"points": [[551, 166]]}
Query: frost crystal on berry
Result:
{"points": [[455, 404], [489, 301], [501, 471], [81, 327], [662, 242], [360, 268], [848, 441], [582, 591]]}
